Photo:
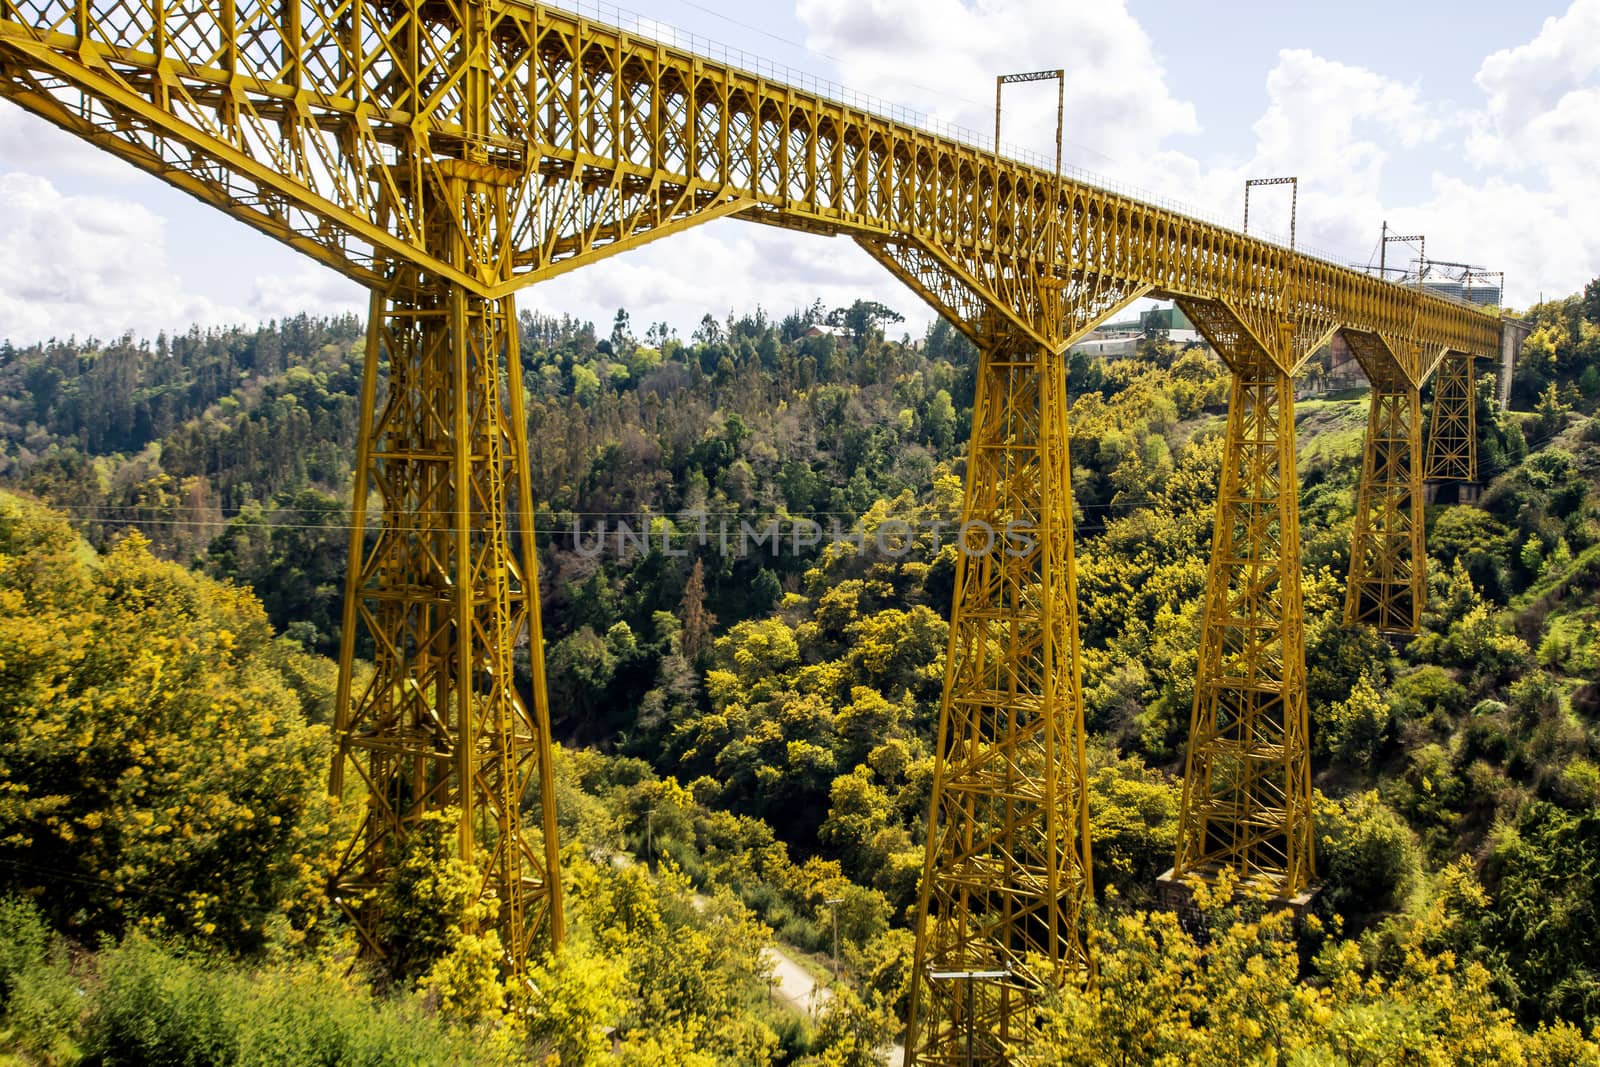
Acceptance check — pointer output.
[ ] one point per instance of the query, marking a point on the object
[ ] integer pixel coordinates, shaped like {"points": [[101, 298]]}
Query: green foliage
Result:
{"points": [[1367, 858], [574, 997], [109, 671], [40, 1009], [142, 1002], [293, 555], [1550, 413], [1340, 656], [157, 1006], [1544, 877], [433, 911], [685, 969], [1477, 641], [1475, 540], [581, 668], [1353, 729], [1426, 692], [850, 1033], [778, 711], [1133, 825], [1237, 997]]}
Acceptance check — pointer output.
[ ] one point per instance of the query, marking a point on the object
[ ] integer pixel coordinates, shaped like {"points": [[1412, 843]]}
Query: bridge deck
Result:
{"points": [[312, 121]]}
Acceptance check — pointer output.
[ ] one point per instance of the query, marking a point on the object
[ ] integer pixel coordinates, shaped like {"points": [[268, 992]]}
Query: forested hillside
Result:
{"points": [[761, 722]]}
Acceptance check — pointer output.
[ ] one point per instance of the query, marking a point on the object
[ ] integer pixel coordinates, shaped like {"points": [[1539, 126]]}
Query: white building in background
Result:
{"points": [[1108, 347], [1469, 290], [1117, 340]]}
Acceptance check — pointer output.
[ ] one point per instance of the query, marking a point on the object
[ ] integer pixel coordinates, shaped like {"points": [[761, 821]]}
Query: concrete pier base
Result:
{"points": [[1451, 492]]}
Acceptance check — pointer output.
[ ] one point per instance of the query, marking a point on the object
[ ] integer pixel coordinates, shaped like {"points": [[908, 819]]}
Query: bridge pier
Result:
{"points": [[1453, 427], [445, 593], [1177, 895], [1006, 872], [1451, 492], [1246, 803], [1388, 556]]}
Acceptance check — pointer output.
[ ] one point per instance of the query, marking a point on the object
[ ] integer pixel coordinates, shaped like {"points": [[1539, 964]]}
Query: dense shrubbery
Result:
{"points": [[145, 1003], [762, 727], [1240, 995], [156, 766]]}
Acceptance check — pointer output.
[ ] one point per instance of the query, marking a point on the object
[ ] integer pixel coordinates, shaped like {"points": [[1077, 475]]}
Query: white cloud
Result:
{"points": [[26, 140], [1526, 207], [1525, 83], [99, 266], [88, 266], [1316, 107], [1117, 100], [1332, 125], [1546, 242], [311, 288], [1564, 142], [1346, 131], [1537, 135]]}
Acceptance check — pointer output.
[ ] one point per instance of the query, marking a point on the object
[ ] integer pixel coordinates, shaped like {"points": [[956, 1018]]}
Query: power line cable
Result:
{"points": [[92, 514]]}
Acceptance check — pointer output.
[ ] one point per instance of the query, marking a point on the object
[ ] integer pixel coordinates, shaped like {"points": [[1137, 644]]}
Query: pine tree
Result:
{"points": [[697, 621]]}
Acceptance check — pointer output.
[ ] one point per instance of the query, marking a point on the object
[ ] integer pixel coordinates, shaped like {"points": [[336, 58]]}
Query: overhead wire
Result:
{"points": [[89, 513]]}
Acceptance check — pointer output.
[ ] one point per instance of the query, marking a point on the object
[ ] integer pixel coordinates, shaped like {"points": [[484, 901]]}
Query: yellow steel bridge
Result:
{"points": [[446, 153]]}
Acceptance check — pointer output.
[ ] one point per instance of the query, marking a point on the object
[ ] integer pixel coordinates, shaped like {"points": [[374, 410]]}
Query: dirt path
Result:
{"points": [[804, 995], [795, 986]]}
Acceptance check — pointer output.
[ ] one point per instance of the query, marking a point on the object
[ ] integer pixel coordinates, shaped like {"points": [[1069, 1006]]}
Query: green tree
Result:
{"points": [[1550, 413], [581, 666], [1353, 729], [1133, 817], [1589, 382], [939, 422], [1367, 857], [431, 897], [112, 669], [1544, 877]]}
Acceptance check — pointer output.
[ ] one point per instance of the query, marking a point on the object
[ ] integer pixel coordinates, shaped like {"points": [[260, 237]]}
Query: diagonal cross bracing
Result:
{"points": [[302, 119]]}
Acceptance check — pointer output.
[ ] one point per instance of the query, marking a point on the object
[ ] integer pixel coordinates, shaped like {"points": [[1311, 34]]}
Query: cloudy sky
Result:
{"points": [[1477, 124]]}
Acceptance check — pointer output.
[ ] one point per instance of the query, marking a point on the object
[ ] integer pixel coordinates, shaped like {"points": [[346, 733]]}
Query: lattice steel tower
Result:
{"points": [[1388, 559], [1247, 780], [1453, 432], [387, 140]]}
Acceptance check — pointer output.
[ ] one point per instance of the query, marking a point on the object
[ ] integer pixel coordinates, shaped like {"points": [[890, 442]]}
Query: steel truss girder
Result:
{"points": [[1453, 428], [1247, 777], [1388, 556], [447, 591], [304, 120], [967, 291]]}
